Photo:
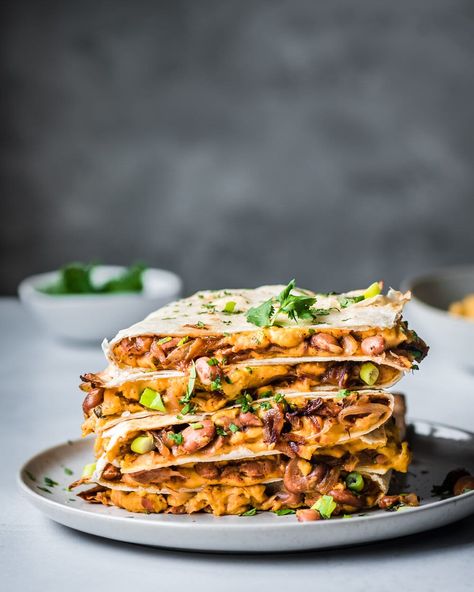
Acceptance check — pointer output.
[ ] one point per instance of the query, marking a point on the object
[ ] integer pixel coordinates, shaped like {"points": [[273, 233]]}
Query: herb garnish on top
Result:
{"points": [[300, 307]]}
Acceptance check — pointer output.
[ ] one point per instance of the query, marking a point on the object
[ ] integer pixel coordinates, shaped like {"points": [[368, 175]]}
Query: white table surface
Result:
{"points": [[41, 406]]}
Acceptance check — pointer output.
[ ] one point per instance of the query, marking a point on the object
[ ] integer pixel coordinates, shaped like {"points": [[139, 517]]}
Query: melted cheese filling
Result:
{"points": [[263, 343], [253, 439], [227, 500], [393, 455], [300, 377]]}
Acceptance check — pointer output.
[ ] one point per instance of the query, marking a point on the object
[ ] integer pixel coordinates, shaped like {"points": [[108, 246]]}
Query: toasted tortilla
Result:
{"points": [[123, 430], [181, 318]]}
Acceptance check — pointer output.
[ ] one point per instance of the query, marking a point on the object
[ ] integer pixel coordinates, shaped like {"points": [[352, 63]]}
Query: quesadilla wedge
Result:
{"points": [[225, 499], [242, 325], [300, 476], [296, 424], [112, 396]]}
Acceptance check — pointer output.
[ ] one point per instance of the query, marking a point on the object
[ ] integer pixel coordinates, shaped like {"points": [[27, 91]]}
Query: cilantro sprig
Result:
{"points": [[299, 307], [296, 307]]}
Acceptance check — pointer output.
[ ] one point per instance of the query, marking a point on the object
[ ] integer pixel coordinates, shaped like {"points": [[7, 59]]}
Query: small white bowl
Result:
{"points": [[447, 334], [91, 317]]}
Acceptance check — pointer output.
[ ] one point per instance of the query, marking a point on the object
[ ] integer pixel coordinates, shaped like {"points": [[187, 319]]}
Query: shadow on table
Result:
{"points": [[456, 535]]}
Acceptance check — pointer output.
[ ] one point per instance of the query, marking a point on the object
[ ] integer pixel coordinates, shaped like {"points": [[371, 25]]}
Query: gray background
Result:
{"points": [[238, 142]]}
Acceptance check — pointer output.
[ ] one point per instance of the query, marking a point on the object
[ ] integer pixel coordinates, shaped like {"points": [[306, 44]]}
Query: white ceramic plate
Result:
{"points": [[437, 450]]}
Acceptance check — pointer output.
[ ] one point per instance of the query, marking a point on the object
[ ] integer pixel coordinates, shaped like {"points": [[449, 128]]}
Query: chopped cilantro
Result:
{"points": [[343, 393], [187, 408], [211, 307], [346, 301], [49, 482], [213, 362], [30, 476], [284, 512], [265, 405], [176, 438], [321, 312], [250, 512], [221, 431], [43, 489], [245, 401], [216, 384], [201, 325]]}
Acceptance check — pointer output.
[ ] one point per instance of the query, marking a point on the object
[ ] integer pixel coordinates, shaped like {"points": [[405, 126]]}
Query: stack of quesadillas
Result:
{"points": [[234, 401]]}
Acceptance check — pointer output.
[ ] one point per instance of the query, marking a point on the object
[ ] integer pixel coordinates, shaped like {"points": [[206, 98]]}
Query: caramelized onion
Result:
{"points": [[273, 422], [365, 409]]}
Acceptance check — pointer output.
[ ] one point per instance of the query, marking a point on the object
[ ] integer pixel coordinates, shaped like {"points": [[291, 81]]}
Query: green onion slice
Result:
{"points": [[142, 444], [88, 470], [369, 373], [325, 506], [152, 399], [355, 481]]}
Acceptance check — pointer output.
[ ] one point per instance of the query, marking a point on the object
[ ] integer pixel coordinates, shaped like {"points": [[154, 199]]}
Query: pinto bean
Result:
{"points": [[111, 473], [343, 496], [373, 346], [205, 372], [349, 345], [326, 342], [307, 515], [388, 501], [154, 476], [92, 399], [466, 482], [296, 482], [289, 499], [196, 439]]}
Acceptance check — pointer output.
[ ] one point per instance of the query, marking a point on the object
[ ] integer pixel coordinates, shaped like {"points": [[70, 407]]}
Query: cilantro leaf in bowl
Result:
{"points": [[76, 278]]}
